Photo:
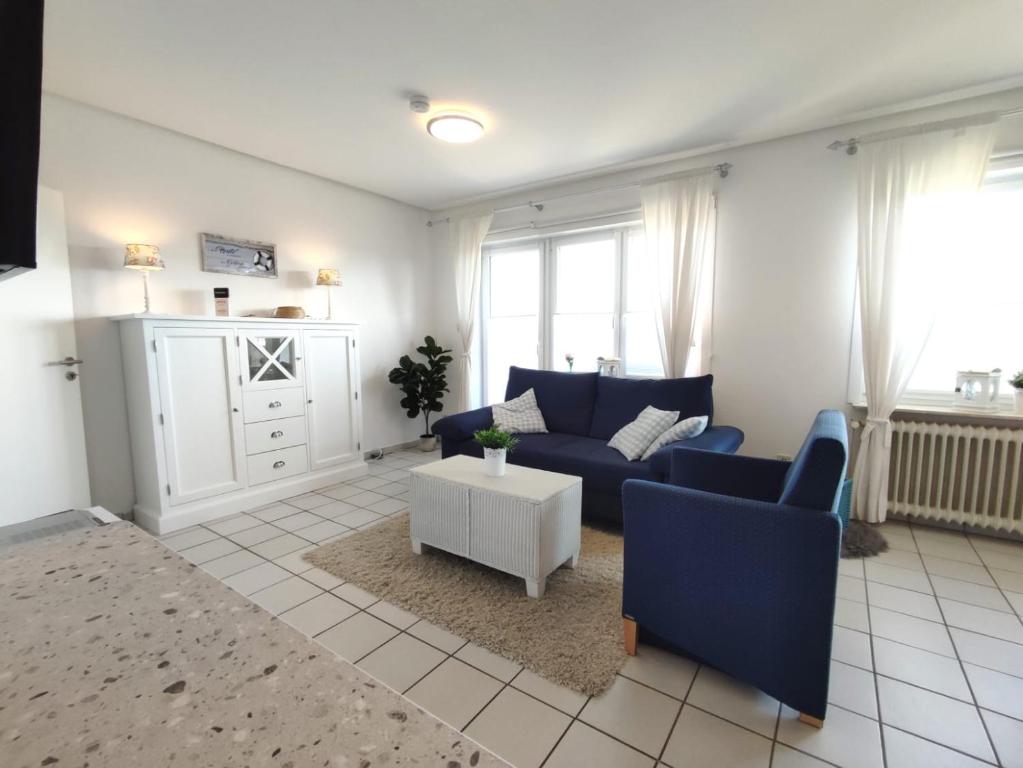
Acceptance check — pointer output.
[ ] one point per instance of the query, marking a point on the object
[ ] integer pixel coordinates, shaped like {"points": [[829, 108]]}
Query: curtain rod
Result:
{"points": [[535, 226], [851, 146], [721, 169]]}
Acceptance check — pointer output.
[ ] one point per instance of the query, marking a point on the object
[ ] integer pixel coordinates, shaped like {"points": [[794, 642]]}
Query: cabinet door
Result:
{"points": [[200, 402], [332, 390], [270, 358]]}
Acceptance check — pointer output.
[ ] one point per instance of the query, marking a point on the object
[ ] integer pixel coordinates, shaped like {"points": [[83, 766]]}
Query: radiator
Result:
{"points": [[957, 473]]}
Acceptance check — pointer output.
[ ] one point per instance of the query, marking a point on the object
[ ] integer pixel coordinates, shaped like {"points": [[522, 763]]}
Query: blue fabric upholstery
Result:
{"points": [[567, 402], [718, 567], [565, 399], [462, 426], [619, 401], [808, 482], [723, 439]]}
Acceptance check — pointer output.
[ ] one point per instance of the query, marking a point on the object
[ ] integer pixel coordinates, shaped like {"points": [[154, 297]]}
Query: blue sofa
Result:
{"points": [[582, 412], [735, 562]]}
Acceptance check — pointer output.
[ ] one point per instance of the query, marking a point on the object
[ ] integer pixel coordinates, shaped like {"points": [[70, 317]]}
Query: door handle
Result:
{"points": [[276, 433], [278, 464], [275, 404], [68, 361]]}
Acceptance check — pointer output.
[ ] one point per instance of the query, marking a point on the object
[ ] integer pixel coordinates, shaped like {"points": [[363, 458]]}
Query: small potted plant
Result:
{"points": [[423, 385], [1017, 390], [496, 445], [570, 359]]}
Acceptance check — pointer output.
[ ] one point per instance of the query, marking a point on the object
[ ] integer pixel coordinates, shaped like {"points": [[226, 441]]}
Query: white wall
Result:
{"points": [[786, 256], [126, 181]]}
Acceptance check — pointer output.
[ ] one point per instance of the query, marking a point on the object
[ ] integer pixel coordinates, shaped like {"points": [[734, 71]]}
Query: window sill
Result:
{"points": [[1006, 416]]}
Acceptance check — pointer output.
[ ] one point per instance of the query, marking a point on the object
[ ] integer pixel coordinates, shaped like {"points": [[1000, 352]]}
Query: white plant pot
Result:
{"points": [[427, 443], [494, 461], [1018, 395]]}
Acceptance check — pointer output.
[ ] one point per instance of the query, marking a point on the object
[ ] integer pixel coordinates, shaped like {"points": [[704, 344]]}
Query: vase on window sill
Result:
{"points": [[1018, 395], [494, 461]]}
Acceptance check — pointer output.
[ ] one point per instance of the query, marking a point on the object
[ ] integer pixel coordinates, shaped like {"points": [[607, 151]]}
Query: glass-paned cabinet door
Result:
{"points": [[270, 358]]}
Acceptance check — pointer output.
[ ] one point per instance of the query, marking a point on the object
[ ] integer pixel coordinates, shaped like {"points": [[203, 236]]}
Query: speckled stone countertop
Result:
{"points": [[116, 652]]}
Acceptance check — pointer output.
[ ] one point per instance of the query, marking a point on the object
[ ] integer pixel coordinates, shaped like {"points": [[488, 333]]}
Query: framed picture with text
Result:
{"points": [[231, 256]]}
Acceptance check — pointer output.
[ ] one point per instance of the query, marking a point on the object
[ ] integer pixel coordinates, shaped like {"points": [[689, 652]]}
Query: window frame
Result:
{"points": [[547, 245]]}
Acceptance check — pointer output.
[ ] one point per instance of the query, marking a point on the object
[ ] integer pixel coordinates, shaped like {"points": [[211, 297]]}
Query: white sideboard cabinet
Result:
{"points": [[229, 414]]}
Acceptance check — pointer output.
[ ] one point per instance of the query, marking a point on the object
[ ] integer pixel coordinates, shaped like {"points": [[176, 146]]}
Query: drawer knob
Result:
{"points": [[278, 464], [276, 433], [275, 404]]}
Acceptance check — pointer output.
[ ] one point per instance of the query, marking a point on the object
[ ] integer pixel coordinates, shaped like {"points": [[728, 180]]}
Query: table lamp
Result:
{"points": [[146, 259], [328, 277]]}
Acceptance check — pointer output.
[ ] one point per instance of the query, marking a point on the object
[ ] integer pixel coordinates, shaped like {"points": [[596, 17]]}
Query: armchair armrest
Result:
{"points": [[461, 426], [745, 477], [720, 439], [746, 586]]}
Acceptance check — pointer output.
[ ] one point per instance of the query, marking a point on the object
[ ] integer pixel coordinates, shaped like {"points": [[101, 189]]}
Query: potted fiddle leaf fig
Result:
{"points": [[1017, 390], [423, 386], [497, 444]]}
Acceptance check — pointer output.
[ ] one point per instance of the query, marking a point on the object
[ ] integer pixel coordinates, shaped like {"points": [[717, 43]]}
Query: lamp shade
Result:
{"points": [[329, 276], [141, 256]]}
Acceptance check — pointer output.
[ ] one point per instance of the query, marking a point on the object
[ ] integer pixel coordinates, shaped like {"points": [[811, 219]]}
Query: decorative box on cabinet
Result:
{"points": [[229, 414]]}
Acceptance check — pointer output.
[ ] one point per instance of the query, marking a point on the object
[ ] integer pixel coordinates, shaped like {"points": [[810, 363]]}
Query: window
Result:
{"points": [[586, 295], [511, 314], [980, 327]]}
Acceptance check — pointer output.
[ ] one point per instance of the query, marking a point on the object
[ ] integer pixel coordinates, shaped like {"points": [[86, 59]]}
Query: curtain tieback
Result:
{"points": [[875, 423]]}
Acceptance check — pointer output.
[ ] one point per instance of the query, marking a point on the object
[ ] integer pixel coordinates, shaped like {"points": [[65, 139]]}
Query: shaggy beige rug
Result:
{"points": [[571, 636]]}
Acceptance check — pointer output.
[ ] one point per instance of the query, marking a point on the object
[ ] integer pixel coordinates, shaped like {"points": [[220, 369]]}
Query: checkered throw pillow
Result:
{"points": [[685, 429], [520, 415], [632, 439]]}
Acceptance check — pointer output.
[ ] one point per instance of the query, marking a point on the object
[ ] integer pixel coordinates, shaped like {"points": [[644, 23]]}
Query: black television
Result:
{"points": [[21, 71]]}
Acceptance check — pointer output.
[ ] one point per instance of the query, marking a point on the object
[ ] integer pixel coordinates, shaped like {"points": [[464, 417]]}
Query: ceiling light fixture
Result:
{"points": [[455, 128]]}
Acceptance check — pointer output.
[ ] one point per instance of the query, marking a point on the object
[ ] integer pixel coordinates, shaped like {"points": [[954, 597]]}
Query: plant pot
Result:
{"points": [[427, 443], [494, 461], [1018, 395]]}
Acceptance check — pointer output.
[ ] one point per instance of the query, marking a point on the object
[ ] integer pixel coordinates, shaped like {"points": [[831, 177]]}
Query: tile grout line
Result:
{"points": [[873, 668], [681, 706], [962, 669]]}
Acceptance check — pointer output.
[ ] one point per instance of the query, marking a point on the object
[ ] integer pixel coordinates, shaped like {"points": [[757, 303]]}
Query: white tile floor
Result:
{"points": [[927, 665]]}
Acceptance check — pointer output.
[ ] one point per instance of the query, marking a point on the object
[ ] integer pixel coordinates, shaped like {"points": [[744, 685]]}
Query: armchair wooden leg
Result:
{"points": [[631, 635], [811, 720]]}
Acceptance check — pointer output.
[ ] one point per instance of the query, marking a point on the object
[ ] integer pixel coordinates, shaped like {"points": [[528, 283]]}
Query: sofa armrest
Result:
{"points": [[461, 426], [743, 477], [720, 439], [746, 586]]}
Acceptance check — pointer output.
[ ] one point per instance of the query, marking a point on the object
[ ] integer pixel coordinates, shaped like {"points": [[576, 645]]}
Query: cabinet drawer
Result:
{"points": [[275, 465], [266, 404], [275, 434]]}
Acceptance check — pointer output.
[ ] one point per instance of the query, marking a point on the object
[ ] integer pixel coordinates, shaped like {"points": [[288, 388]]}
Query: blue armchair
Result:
{"points": [[735, 561]]}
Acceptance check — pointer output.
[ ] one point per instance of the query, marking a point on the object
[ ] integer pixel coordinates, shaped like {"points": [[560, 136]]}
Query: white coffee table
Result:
{"points": [[526, 523]]}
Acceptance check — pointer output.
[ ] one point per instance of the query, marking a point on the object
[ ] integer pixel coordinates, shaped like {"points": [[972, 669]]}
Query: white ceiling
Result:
{"points": [[563, 86]]}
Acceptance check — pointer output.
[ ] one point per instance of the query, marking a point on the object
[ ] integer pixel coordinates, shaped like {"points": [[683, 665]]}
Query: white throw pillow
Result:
{"points": [[632, 439], [685, 429], [520, 415]]}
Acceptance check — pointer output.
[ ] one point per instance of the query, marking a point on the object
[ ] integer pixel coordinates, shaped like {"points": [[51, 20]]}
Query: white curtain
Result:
{"points": [[679, 219], [466, 241], [914, 195]]}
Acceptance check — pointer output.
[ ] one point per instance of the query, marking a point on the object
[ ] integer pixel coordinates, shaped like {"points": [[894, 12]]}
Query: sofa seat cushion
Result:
{"points": [[565, 399], [619, 401], [602, 468]]}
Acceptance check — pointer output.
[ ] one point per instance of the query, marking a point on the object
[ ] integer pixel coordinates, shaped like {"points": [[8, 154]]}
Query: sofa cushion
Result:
{"points": [[603, 469], [636, 436], [619, 401], [683, 430], [521, 415], [565, 399]]}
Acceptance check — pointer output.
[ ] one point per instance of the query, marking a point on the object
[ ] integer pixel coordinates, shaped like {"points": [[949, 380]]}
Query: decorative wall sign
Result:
{"points": [[232, 256]]}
